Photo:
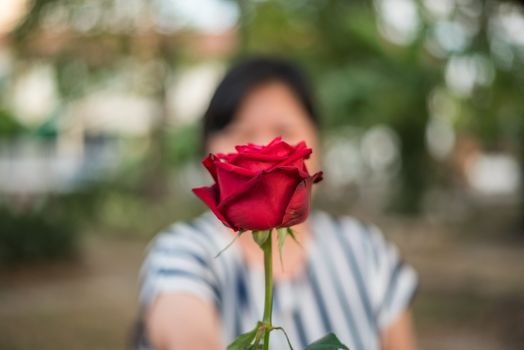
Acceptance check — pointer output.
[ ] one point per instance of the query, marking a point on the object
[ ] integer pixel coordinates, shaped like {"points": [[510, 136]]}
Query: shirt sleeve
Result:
{"points": [[394, 282], [178, 260]]}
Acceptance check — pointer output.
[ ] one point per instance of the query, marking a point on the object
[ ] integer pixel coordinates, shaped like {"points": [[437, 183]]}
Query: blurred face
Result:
{"points": [[268, 111]]}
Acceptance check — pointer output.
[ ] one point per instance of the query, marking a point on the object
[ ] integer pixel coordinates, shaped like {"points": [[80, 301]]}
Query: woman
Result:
{"points": [[344, 278]]}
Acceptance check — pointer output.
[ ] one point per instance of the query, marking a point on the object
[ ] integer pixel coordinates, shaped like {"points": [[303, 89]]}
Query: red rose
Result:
{"points": [[260, 187]]}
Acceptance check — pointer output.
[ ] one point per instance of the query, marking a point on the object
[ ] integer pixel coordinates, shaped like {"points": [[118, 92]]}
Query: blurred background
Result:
{"points": [[423, 113]]}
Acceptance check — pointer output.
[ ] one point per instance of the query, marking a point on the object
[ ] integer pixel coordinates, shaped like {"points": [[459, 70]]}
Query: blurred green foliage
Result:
{"points": [[183, 144], [9, 126], [31, 237], [47, 229], [364, 79], [361, 79]]}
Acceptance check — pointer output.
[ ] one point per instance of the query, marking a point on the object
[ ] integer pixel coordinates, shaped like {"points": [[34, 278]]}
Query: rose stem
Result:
{"points": [[268, 300]]}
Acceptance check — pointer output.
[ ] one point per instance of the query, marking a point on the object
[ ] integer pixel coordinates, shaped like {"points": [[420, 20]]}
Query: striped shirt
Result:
{"points": [[354, 284]]}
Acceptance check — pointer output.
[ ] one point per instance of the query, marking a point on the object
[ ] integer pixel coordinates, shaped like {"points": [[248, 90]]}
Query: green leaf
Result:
{"points": [[328, 342], [230, 243], [261, 237], [243, 341], [281, 235]]}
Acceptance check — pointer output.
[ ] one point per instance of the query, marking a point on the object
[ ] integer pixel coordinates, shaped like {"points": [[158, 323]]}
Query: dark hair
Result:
{"points": [[246, 75]]}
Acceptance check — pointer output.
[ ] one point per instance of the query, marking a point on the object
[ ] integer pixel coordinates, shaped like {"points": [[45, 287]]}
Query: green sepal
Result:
{"points": [[292, 234], [328, 342], [261, 237], [230, 243], [243, 341], [281, 235]]}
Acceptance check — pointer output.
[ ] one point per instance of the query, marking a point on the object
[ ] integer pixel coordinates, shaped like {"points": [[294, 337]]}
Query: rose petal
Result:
{"points": [[297, 210], [296, 159], [209, 196], [300, 145], [279, 148], [303, 174], [209, 163], [231, 179], [250, 147], [318, 177], [276, 147], [262, 205], [235, 169], [257, 162], [257, 148], [226, 157], [260, 156], [277, 139]]}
